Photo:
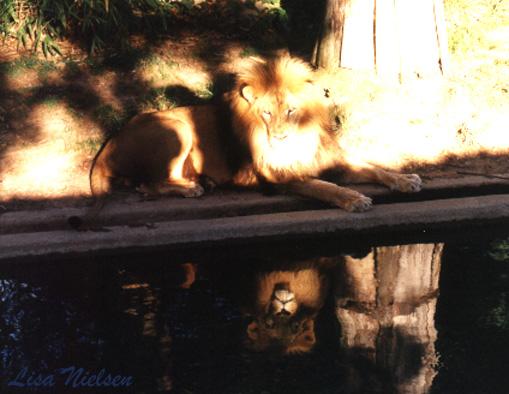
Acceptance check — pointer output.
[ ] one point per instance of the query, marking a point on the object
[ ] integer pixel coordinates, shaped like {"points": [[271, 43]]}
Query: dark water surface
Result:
{"points": [[305, 317]]}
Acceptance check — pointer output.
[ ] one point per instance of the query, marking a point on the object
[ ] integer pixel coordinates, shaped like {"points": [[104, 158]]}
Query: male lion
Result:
{"points": [[285, 303], [278, 132], [279, 296]]}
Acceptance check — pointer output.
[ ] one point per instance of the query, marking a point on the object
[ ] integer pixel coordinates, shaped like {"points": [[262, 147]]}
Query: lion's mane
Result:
{"points": [[284, 87]]}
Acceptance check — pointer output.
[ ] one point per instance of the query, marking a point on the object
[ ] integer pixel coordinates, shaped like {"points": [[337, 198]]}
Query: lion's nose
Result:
{"points": [[284, 296]]}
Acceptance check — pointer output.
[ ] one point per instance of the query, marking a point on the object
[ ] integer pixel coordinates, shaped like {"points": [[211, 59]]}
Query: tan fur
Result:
{"points": [[154, 149], [305, 284], [293, 331], [280, 134]]}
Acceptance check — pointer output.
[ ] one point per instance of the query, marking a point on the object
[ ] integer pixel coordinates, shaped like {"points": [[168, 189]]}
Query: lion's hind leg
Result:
{"points": [[343, 197], [180, 170]]}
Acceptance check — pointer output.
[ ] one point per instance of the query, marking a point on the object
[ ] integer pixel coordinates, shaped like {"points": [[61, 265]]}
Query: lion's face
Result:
{"points": [[278, 113], [284, 324], [287, 304], [282, 140], [282, 116]]}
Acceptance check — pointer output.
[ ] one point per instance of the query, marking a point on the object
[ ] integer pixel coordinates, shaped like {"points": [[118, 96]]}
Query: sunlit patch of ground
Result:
{"points": [[168, 65], [425, 122], [51, 164], [422, 122], [160, 72]]}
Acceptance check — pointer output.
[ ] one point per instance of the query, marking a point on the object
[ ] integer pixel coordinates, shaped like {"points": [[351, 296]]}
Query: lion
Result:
{"points": [[279, 296], [273, 128], [284, 306]]}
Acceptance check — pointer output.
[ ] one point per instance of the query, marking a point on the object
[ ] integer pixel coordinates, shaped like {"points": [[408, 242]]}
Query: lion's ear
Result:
{"points": [[252, 331], [248, 93]]}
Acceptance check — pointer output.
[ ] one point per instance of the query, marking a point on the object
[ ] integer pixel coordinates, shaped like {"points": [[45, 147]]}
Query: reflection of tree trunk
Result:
{"points": [[396, 38], [386, 303]]}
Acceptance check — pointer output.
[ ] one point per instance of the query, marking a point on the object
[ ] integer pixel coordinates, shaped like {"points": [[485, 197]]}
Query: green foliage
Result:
{"points": [[39, 23]]}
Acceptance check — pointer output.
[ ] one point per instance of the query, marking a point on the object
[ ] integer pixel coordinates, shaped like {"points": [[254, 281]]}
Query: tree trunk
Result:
{"points": [[385, 303], [327, 51], [400, 39]]}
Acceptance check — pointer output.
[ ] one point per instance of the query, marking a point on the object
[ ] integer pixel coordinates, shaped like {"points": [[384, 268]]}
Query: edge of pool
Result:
{"points": [[413, 216]]}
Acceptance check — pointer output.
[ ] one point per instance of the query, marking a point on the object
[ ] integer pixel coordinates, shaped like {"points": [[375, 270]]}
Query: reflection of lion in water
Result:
{"points": [[278, 132], [284, 307]]}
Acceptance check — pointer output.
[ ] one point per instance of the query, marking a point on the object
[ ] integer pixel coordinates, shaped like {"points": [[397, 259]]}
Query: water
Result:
{"points": [[411, 318]]}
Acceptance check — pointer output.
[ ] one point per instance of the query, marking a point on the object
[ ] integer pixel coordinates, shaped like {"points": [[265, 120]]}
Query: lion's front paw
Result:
{"points": [[359, 203], [407, 183]]}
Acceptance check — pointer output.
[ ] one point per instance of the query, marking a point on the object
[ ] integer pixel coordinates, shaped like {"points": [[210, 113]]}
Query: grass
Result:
{"points": [[88, 145], [157, 67], [109, 117], [45, 68], [71, 68], [157, 99], [17, 68]]}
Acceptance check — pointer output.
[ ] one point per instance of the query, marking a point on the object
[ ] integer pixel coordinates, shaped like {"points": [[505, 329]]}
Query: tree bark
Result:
{"points": [[385, 303], [400, 39], [327, 51]]}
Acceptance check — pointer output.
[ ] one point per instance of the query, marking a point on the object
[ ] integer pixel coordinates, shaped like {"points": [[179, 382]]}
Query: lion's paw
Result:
{"points": [[360, 203], [408, 183]]}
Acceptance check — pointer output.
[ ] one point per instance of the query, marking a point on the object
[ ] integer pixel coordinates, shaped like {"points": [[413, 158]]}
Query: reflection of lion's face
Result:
{"points": [[280, 113], [287, 305]]}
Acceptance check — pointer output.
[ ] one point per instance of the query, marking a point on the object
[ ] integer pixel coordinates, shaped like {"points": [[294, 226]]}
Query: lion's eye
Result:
{"points": [[291, 111], [267, 114]]}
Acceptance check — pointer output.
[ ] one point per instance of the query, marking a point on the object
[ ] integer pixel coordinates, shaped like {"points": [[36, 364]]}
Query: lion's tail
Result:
{"points": [[100, 177], [100, 186]]}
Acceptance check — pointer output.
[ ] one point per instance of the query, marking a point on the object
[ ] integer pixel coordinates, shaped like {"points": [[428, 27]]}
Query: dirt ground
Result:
{"points": [[56, 113]]}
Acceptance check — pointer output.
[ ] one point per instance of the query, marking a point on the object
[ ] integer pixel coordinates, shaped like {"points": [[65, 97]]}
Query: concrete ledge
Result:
{"points": [[131, 211], [135, 212], [284, 225]]}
